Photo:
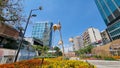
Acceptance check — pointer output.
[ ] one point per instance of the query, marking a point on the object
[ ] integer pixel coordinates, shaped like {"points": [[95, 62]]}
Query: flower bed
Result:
{"points": [[48, 63], [33, 63], [116, 57], [68, 64]]}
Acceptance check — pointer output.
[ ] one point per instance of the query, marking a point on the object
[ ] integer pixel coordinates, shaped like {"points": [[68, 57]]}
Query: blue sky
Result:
{"points": [[75, 16]]}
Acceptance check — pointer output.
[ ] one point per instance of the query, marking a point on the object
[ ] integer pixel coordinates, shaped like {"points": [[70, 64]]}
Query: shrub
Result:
{"points": [[109, 58], [97, 56]]}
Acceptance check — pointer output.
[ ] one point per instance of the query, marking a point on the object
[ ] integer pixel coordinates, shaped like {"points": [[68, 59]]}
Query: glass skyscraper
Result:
{"points": [[43, 31], [110, 12]]}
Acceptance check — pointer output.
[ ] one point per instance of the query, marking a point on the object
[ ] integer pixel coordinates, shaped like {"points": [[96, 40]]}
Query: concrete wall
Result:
{"points": [[107, 50]]}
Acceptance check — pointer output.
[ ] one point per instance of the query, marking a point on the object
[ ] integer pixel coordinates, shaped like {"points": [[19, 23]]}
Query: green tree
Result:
{"points": [[11, 10], [89, 48], [56, 48], [58, 52], [43, 50], [85, 50]]}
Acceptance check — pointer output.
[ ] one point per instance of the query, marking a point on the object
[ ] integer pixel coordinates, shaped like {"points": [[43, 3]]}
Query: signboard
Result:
{"points": [[6, 52]]}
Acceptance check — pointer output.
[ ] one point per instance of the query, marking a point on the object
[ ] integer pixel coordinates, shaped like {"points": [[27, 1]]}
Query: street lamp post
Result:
{"points": [[40, 8], [58, 27]]}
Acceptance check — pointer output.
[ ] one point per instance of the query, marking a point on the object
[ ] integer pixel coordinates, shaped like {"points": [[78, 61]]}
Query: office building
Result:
{"points": [[105, 37], [110, 12], [77, 43], [92, 37], [43, 31]]}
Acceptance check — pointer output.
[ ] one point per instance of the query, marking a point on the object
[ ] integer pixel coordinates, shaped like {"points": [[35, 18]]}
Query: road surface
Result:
{"points": [[105, 64]]}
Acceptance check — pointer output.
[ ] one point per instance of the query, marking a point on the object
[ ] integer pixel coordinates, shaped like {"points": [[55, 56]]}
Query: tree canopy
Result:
{"points": [[58, 52], [42, 49], [85, 50], [11, 12]]}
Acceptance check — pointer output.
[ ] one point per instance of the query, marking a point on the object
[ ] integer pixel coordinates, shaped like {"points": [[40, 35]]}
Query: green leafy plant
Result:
{"points": [[43, 50], [97, 56], [109, 58], [58, 52]]}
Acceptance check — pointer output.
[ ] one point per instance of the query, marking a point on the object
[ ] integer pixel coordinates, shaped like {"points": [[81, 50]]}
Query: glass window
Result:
{"points": [[113, 27], [115, 32], [116, 25], [117, 2], [105, 7], [101, 12], [111, 5], [116, 37]]}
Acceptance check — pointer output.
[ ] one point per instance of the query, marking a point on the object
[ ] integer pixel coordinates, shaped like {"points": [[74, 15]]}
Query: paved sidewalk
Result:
{"points": [[105, 64], [74, 58]]}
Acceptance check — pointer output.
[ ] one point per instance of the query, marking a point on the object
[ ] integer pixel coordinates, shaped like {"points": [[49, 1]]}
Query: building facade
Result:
{"points": [[8, 36], [110, 49], [43, 31], [105, 37], [34, 41], [77, 43], [92, 36], [7, 55], [70, 54], [110, 12]]}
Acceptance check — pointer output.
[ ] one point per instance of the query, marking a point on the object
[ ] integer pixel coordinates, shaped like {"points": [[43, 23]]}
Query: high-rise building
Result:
{"points": [[43, 31], [105, 37], [92, 36], [78, 43], [110, 12]]}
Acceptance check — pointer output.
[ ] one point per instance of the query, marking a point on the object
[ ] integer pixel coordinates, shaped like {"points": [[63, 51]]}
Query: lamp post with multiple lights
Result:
{"points": [[58, 27], [30, 15]]}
